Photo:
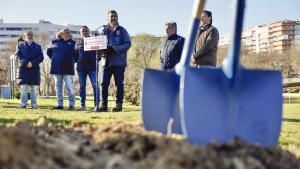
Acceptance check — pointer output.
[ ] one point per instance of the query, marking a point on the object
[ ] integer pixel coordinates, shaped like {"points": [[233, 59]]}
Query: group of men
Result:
{"points": [[205, 49], [65, 52]]}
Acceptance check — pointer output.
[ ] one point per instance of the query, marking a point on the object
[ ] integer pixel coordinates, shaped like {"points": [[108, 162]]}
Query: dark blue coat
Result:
{"points": [[171, 50], [119, 39], [63, 56], [86, 59], [26, 54]]}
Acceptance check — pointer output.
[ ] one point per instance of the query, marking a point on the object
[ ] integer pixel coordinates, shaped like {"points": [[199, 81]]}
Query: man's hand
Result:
{"points": [[110, 51], [29, 65]]}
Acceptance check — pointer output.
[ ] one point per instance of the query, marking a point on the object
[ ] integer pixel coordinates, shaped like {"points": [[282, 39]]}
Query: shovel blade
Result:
{"points": [[160, 101], [216, 108]]}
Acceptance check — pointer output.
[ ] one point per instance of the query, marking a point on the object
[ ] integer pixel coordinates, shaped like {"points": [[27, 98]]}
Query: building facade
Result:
{"points": [[275, 37], [12, 31]]}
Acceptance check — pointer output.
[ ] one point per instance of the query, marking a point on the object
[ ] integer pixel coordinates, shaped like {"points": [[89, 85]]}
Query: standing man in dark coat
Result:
{"points": [[30, 55], [63, 57], [115, 61], [86, 66], [206, 46], [171, 47]]}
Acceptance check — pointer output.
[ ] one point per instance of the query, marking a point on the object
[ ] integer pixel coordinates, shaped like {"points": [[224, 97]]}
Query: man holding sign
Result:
{"points": [[86, 66], [115, 61]]}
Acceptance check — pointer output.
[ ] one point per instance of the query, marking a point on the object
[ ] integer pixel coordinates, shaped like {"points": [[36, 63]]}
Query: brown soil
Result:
{"points": [[123, 146]]}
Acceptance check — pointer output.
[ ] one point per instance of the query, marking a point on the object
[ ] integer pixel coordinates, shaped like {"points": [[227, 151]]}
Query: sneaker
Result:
{"points": [[81, 109], [57, 108], [118, 108], [33, 107], [97, 109], [71, 108]]}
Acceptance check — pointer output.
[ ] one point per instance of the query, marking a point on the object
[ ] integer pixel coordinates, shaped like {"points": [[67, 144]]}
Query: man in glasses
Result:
{"points": [[115, 61], [86, 66]]}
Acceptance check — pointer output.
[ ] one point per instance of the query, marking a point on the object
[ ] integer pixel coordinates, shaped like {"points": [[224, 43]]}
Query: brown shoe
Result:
{"points": [[118, 108], [103, 107]]}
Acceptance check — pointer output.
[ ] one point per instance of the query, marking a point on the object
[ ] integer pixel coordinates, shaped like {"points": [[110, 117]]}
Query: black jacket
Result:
{"points": [[170, 53], [29, 53], [86, 59]]}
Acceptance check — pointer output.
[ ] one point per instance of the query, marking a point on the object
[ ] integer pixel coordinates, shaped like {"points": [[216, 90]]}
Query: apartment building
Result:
{"points": [[274, 37], [12, 31]]}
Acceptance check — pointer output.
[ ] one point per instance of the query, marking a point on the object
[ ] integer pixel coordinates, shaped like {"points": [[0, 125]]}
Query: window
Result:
{"points": [[5, 36], [14, 29]]}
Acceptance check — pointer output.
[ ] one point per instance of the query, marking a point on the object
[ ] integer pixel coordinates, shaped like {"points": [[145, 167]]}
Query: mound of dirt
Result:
{"points": [[124, 146]]}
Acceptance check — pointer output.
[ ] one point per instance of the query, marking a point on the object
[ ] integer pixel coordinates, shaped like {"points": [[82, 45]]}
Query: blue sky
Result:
{"points": [[144, 16]]}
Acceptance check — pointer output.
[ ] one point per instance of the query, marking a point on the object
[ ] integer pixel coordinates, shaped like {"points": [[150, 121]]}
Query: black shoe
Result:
{"points": [[57, 108], [71, 108], [81, 109], [118, 108], [103, 107]]}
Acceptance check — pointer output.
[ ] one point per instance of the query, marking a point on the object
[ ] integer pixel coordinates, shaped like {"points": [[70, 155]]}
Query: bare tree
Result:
{"points": [[144, 48], [47, 81], [5, 60]]}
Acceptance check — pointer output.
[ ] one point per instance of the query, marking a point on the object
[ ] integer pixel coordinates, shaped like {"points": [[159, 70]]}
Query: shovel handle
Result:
{"points": [[192, 33], [231, 63]]}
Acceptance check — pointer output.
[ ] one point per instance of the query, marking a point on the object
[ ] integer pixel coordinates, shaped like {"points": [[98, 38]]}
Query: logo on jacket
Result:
{"points": [[118, 32]]}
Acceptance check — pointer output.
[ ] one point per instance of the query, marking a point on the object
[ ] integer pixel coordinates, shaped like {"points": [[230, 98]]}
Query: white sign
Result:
{"points": [[95, 43]]}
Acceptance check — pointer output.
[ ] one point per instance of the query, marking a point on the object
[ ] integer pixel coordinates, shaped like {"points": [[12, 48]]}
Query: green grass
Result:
{"points": [[290, 130], [9, 112]]}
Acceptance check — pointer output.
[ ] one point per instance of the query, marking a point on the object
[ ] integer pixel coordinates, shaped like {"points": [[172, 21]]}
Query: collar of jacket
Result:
{"points": [[109, 28], [174, 36], [32, 43], [65, 41], [205, 27]]}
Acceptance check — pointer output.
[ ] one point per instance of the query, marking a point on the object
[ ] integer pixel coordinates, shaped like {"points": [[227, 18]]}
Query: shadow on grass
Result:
{"points": [[291, 120], [6, 121]]}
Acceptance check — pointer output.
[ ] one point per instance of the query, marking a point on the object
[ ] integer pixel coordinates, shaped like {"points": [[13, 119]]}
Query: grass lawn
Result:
{"points": [[9, 112]]}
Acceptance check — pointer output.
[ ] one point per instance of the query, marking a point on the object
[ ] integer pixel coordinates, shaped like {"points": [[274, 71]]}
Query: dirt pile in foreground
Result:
{"points": [[123, 146]]}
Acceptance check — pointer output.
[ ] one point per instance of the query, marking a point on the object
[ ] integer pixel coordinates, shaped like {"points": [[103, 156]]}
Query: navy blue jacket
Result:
{"points": [[63, 56], [119, 39], [86, 59], [26, 54], [170, 53]]}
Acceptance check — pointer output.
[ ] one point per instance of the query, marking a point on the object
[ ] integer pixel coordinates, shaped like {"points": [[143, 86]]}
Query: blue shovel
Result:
{"points": [[160, 89], [220, 104]]}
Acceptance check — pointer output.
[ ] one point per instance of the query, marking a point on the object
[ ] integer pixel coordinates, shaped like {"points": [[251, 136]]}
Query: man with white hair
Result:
{"points": [[171, 47], [30, 55]]}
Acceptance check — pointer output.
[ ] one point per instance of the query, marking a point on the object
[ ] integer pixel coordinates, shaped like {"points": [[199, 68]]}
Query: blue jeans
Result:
{"points": [[82, 81], [59, 78], [24, 94], [118, 73]]}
